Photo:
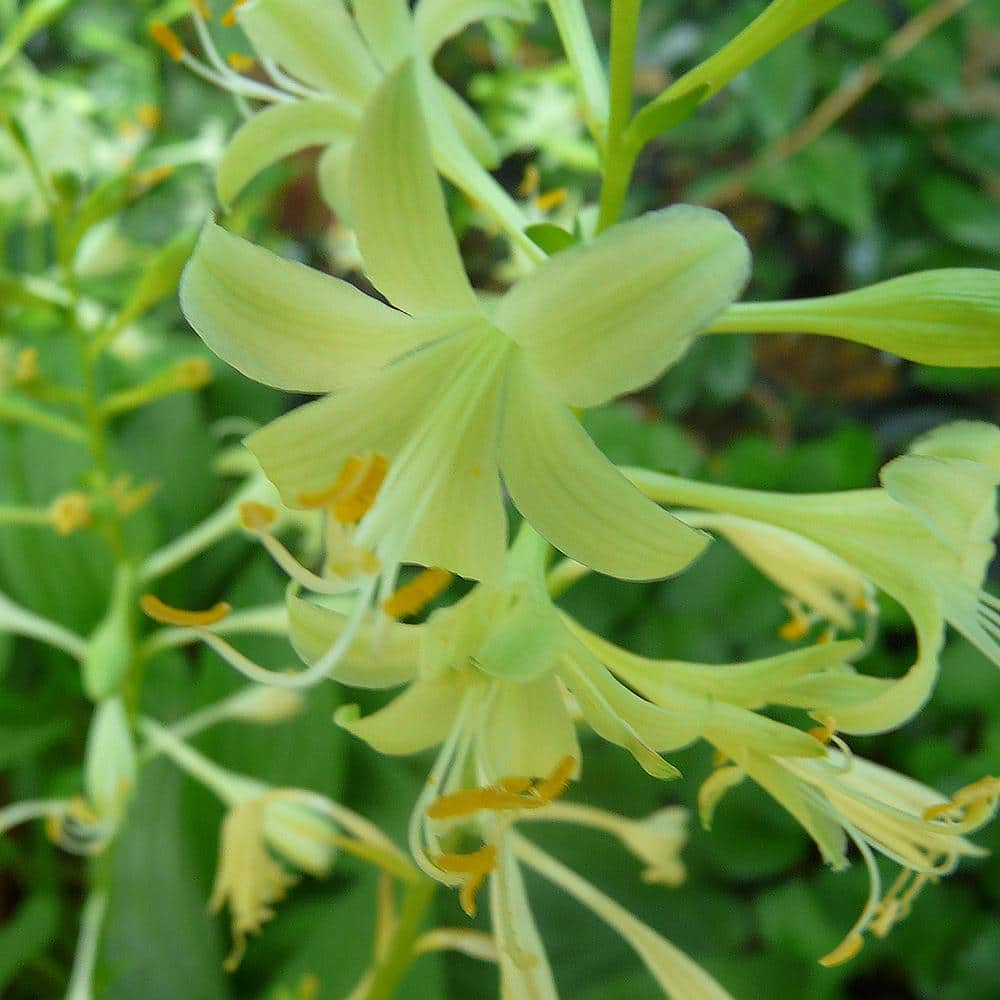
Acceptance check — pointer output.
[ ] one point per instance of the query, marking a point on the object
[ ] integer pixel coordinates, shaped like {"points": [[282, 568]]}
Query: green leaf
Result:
{"points": [[549, 237], [656, 117], [30, 19], [780, 87], [962, 212], [27, 934]]}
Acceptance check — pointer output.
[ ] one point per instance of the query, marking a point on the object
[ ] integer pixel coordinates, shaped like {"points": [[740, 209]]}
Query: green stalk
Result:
{"points": [[619, 159], [390, 971]]}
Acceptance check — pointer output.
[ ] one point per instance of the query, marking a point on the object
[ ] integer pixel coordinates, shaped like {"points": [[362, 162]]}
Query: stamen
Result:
{"points": [[354, 492], [201, 8], [413, 597], [826, 731], [26, 369], [240, 62], [477, 865], [167, 40], [229, 18], [256, 516], [146, 179], [557, 782], [530, 181], [551, 199], [974, 802], [797, 627], [70, 512], [844, 952], [166, 615], [148, 116]]}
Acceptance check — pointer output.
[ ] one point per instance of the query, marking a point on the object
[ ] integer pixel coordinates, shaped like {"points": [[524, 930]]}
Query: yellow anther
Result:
{"points": [[241, 62], [256, 516], [354, 492], [166, 615], [551, 199], [148, 116], [973, 800], [844, 951], [54, 827], [414, 596], [193, 373], [70, 512], [825, 732], [26, 366], [167, 40], [229, 18], [146, 179], [557, 782], [530, 181], [798, 625], [127, 500], [476, 865], [201, 8], [81, 811]]}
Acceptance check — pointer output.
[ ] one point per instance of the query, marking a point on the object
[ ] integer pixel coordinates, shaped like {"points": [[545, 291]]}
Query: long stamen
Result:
{"points": [[476, 865], [414, 596], [166, 615], [854, 939], [354, 491]]}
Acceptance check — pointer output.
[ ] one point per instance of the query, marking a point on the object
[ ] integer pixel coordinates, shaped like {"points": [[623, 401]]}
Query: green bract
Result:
{"points": [[453, 395]]}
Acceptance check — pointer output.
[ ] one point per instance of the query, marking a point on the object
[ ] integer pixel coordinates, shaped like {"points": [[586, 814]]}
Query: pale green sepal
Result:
{"points": [[768, 30], [400, 216], [975, 440], [469, 126], [537, 708], [438, 20], [314, 40], [576, 499], [285, 324], [949, 317], [387, 28], [276, 132], [524, 966], [379, 657], [110, 763], [588, 71], [677, 975], [333, 172], [607, 318], [419, 718]]}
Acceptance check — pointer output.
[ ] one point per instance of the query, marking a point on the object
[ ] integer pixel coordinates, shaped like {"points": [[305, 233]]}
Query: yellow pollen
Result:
{"points": [[476, 865], [148, 116], [26, 366], [256, 516], [201, 8], [354, 491], [551, 199], [128, 500], [241, 62], [167, 40], [844, 951], [166, 615], [557, 782], [414, 596], [81, 811], [54, 828], [70, 512], [146, 179], [193, 373], [229, 18], [975, 800], [530, 181], [825, 732], [797, 627]]}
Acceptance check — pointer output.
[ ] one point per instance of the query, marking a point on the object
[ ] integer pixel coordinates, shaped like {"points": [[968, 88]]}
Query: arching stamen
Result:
{"points": [[166, 615], [354, 491], [798, 625], [476, 866], [229, 18], [241, 63], [167, 39], [854, 939]]}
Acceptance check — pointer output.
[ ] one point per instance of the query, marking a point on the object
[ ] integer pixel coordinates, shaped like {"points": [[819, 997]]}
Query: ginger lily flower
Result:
{"points": [[925, 538], [843, 796], [453, 395], [322, 68]]}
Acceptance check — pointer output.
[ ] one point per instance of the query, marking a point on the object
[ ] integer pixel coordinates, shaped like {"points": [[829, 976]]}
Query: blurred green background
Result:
{"points": [[906, 180]]}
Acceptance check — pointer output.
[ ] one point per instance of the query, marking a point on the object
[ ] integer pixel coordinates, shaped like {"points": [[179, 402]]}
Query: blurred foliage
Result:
{"points": [[906, 180]]}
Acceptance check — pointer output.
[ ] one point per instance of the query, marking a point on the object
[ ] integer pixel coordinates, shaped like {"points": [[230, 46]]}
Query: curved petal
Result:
{"points": [[372, 660], [438, 20], [608, 317], [399, 209], [314, 40], [276, 132], [285, 324], [421, 717], [387, 28], [334, 175], [469, 126], [576, 498]]}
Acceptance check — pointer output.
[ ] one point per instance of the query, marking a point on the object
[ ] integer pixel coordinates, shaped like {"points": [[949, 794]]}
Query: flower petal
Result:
{"points": [[377, 658], [276, 132], [678, 975], [387, 28], [438, 20], [399, 209], [285, 324], [314, 40], [469, 126], [576, 498], [608, 317], [334, 175], [420, 717]]}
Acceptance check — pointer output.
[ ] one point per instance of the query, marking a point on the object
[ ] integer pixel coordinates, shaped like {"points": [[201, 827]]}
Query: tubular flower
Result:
{"points": [[315, 73], [925, 538], [450, 394], [842, 796]]}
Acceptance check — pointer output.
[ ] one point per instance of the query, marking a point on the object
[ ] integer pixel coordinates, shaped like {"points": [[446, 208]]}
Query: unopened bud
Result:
{"points": [[110, 760], [109, 651], [70, 512]]}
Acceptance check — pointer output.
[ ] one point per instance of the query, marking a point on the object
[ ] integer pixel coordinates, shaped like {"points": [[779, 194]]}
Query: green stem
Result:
{"points": [[19, 411], [390, 971], [619, 158]]}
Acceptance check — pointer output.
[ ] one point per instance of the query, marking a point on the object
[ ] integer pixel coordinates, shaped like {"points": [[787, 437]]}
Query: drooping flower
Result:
{"points": [[452, 394], [926, 538], [322, 66], [843, 797]]}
